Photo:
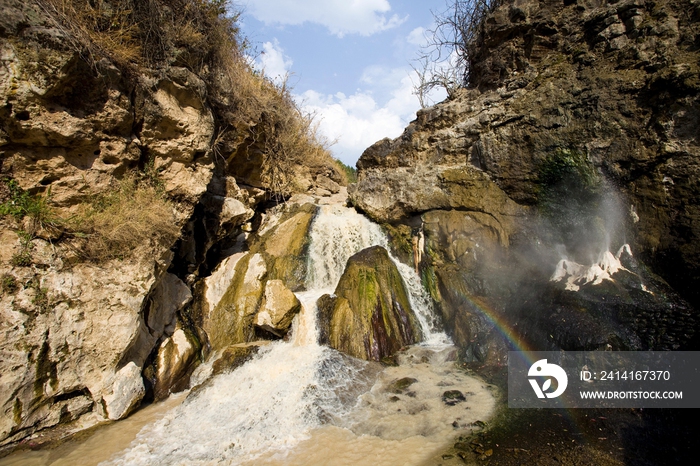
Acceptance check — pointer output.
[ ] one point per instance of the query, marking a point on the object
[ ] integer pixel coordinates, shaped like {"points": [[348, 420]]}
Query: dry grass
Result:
{"points": [[269, 122], [123, 220], [98, 29], [147, 35]]}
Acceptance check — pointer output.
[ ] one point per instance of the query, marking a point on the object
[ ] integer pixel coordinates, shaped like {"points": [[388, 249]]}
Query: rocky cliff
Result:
{"points": [[136, 152], [578, 135]]}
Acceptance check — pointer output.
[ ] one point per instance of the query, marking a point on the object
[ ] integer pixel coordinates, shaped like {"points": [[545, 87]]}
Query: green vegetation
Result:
{"points": [[46, 371], [350, 173], [23, 257], [41, 298], [8, 284], [429, 281], [20, 204], [17, 411], [571, 198], [135, 212], [567, 165]]}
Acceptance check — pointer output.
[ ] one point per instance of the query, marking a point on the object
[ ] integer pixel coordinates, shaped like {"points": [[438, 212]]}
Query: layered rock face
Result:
{"points": [[86, 340], [579, 132], [76, 340]]}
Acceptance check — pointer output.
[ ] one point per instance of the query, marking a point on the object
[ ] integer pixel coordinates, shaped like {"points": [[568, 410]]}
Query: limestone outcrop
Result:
{"points": [[92, 324], [252, 289], [278, 308], [65, 343], [369, 316], [578, 134]]}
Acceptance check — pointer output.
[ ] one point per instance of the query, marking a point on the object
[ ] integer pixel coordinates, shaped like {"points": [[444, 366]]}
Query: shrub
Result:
{"points": [[19, 204], [8, 283], [123, 220], [23, 258], [134, 213]]}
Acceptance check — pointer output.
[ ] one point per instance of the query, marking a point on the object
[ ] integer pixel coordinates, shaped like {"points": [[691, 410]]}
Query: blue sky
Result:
{"points": [[349, 61]]}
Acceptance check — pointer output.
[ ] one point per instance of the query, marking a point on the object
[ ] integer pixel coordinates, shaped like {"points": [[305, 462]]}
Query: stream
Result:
{"points": [[299, 403]]}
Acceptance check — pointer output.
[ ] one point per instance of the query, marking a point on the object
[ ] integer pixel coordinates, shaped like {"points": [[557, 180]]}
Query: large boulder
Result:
{"points": [[278, 308], [369, 316], [285, 246], [124, 392], [231, 320], [175, 358]]}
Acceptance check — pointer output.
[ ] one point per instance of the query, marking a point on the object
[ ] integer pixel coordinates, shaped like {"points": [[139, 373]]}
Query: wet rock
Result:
{"points": [[169, 296], [370, 316], [452, 397], [231, 320], [399, 386], [174, 362], [285, 245], [391, 361], [233, 357], [464, 446], [278, 308], [217, 283]]}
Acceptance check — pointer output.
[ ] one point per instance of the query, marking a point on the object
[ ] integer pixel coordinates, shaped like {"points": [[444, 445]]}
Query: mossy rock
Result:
{"points": [[370, 317], [399, 386], [400, 237], [279, 254], [285, 246], [231, 321], [233, 357], [452, 397]]}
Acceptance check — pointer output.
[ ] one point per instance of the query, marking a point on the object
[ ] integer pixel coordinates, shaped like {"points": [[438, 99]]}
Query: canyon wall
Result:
{"points": [[578, 135]]}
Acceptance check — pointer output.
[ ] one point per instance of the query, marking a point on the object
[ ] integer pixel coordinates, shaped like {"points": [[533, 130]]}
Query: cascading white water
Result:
{"points": [[339, 232], [273, 401]]}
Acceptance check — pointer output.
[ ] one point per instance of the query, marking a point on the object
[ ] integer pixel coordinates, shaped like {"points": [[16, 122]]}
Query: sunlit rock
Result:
{"points": [[370, 316], [124, 393], [175, 356], [278, 308]]}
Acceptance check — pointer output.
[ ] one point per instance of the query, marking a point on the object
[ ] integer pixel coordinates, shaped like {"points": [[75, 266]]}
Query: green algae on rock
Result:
{"points": [[370, 316]]}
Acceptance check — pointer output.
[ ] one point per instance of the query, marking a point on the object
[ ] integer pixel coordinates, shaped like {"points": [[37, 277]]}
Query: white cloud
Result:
{"points": [[273, 62], [417, 37], [358, 121], [341, 17]]}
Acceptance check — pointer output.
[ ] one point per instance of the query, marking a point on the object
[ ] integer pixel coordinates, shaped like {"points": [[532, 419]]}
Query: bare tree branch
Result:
{"points": [[445, 61]]}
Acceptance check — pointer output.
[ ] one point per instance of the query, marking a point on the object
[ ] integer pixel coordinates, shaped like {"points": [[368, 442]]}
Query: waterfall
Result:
{"points": [[275, 400], [339, 232]]}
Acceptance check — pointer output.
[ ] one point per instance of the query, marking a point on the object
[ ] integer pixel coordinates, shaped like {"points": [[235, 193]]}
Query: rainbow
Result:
{"points": [[517, 343]]}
